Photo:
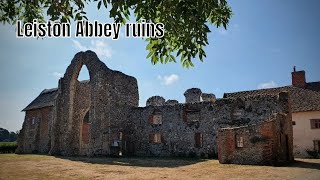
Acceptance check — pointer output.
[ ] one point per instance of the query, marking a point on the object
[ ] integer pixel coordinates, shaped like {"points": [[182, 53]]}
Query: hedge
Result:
{"points": [[8, 147]]}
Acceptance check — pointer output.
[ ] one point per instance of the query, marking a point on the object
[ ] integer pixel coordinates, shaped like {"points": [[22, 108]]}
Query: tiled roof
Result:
{"points": [[45, 99], [302, 99], [315, 86]]}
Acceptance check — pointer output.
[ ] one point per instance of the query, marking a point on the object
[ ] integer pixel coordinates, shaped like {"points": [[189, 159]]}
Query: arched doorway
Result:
{"points": [[81, 112], [84, 134]]}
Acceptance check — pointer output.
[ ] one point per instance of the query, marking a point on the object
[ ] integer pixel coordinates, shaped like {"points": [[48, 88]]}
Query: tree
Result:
{"points": [[186, 21], [6, 136]]}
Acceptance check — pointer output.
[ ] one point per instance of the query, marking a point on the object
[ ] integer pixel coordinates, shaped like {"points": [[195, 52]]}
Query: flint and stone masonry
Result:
{"points": [[101, 117]]}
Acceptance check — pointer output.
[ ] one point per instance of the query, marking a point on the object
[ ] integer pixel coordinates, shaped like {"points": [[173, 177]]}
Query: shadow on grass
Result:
{"points": [[304, 164], [137, 161]]}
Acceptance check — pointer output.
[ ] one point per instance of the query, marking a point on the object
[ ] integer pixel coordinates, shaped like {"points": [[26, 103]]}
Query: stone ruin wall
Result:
{"points": [[107, 92], [111, 99], [264, 143], [181, 122]]}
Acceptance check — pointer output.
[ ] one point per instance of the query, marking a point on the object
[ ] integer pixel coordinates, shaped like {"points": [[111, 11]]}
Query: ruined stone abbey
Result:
{"points": [[101, 117]]}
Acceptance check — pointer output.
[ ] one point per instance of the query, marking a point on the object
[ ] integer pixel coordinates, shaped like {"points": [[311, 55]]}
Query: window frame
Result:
{"points": [[239, 141], [33, 121], [315, 123], [155, 138], [198, 138], [158, 120]]}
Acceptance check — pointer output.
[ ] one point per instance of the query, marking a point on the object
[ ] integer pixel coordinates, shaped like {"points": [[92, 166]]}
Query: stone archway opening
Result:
{"points": [[83, 74], [82, 104]]}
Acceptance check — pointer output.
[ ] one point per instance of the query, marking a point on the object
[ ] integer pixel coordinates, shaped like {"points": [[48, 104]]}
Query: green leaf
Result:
{"points": [[99, 4], [154, 59], [167, 59], [150, 54], [186, 23], [149, 46], [161, 59]]}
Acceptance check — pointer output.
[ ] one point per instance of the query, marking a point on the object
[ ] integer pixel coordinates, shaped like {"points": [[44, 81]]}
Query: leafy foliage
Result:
{"points": [[6, 136], [186, 21], [313, 153], [8, 147]]}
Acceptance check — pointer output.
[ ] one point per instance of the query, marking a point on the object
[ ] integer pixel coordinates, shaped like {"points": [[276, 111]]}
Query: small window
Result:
{"points": [[155, 138], [198, 137], [157, 119], [239, 142], [120, 136], [116, 143], [316, 144], [315, 123], [293, 123], [33, 120]]}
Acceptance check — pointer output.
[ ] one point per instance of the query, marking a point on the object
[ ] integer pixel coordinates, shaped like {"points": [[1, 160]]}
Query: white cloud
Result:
{"points": [[267, 85], [100, 47], [57, 74], [168, 80]]}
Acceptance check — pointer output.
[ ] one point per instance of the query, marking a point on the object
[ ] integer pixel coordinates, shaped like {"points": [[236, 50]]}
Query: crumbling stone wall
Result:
{"points": [[208, 97], [106, 91], [101, 117], [268, 142], [177, 134], [182, 123], [171, 102], [263, 143], [155, 101], [193, 95]]}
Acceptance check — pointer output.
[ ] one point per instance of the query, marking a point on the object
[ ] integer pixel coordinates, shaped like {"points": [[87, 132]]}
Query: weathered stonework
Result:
{"points": [[208, 97], [155, 101], [193, 95], [172, 102], [267, 142], [102, 117]]}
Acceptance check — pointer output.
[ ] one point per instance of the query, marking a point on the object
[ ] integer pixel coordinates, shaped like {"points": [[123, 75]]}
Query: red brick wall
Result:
{"points": [[226, 145], [85, 133], [37, 134], [299, 79], [251, 153]]}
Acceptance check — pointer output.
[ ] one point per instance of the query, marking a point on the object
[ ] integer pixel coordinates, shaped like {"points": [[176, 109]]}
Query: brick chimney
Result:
{"points": [[298, 78]]}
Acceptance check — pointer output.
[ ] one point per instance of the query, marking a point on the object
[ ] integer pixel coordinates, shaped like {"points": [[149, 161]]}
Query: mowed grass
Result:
{"points": [[13, 166]]}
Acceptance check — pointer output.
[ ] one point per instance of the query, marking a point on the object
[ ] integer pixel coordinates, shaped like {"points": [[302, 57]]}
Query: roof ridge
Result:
{"points": [[260, 89]]}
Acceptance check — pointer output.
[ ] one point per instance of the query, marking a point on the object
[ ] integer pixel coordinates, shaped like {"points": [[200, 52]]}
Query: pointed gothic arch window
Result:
{"points": [[83, 74]]}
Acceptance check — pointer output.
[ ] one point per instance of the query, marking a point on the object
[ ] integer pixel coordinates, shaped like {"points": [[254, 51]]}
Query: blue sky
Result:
{"points": [[264, 40]]}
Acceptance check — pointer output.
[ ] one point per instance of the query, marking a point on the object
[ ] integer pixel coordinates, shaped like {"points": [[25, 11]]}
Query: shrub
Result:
{"points": [[192, 154], [8, 147], [314, 154]]}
